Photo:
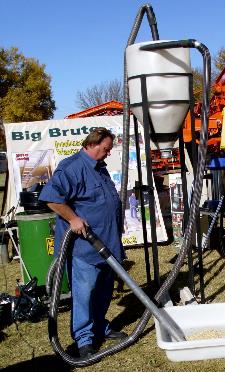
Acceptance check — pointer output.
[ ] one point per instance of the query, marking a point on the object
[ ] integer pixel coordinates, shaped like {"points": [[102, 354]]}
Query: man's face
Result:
{"points": [[101, 151]]}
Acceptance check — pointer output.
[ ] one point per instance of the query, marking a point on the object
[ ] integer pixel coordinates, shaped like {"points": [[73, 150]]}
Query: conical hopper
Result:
{"points": [[167, 80]]}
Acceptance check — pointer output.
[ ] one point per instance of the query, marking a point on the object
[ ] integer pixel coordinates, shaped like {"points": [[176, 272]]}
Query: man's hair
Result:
{"points": [[97, 136]]}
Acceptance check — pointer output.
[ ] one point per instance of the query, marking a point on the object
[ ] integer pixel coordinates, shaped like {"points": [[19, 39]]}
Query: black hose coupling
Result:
{"points": [[94, 240]]}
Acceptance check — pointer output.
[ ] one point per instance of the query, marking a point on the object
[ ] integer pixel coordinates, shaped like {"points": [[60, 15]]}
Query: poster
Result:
{"points": [[34, 149], [177, 205]]}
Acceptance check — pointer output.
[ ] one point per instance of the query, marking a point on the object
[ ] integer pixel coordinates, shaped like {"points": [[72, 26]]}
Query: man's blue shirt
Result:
{"points": [[85, 185]]}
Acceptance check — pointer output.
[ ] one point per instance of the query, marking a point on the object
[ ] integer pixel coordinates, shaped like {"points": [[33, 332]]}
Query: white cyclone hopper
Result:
{"points": [[167, 118]]}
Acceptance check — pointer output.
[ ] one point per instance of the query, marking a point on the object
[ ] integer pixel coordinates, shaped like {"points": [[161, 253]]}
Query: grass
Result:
{"points": [[25, 346]]}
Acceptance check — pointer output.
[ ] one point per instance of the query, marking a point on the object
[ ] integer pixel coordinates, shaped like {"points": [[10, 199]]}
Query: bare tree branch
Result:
{"points": [[104, 92]]}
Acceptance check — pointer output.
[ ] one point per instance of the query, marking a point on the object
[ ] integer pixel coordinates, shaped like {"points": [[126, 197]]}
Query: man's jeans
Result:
{"points": [[92, 289]]}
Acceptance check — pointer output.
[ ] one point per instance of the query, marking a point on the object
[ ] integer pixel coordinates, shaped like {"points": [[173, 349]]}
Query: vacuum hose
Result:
{"points": [[57, 269], [55, 277], [147, 8]]}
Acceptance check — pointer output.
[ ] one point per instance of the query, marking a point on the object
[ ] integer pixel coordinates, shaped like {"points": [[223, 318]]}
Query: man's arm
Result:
{"points": [[77, 224]]}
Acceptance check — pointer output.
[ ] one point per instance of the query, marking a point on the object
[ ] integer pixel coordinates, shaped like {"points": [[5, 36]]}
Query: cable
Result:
{"points": [[126, 110], [161, 315], [187, 241]]}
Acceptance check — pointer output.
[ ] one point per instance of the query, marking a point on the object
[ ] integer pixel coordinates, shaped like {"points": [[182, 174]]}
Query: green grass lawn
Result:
{"points": [[25, 346]]}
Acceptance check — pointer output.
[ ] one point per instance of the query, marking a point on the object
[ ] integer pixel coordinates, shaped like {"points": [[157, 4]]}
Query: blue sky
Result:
{"points": [[82, 43]]}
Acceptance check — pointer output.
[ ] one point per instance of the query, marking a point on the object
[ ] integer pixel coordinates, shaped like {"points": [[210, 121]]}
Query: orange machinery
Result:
{"points": [[217, 103]]}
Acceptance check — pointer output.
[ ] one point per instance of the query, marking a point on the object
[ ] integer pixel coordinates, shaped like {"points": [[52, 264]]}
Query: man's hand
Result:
{"points": [[78, 225]]}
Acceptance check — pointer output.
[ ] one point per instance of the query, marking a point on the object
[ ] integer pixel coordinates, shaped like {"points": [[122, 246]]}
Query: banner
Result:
{"points": [[35, 148]]}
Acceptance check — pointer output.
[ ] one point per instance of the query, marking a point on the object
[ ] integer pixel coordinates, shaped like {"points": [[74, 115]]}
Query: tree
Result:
{"points": [[25, 91], [197, 83], [104, 92], [113, 90], [219, 60], [218, 64]]}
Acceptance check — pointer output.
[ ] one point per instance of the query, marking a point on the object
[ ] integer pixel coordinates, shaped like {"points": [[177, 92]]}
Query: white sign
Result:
{"points": [[35, 148]]}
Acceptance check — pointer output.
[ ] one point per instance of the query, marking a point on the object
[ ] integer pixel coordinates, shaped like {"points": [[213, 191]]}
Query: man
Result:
{"points": [[133, 205], [82, 193]]}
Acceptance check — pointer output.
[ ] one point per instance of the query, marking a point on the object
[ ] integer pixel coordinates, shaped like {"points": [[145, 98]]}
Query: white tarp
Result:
{"points": [[35, 148]]}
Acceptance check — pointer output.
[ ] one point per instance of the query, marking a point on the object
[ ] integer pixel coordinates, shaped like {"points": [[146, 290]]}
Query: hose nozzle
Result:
{"points": [[94, 240]]}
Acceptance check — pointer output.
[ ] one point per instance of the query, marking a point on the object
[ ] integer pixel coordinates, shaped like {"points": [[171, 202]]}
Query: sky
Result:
{"points": [[82, 43]]}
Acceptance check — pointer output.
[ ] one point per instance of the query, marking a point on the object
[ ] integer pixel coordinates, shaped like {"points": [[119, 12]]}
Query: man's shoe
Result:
{"points": [[113, 335], [86, 351], [73, 350]]}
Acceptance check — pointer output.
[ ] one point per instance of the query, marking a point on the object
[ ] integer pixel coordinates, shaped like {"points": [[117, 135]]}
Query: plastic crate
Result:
{"points": [[192, 319]]}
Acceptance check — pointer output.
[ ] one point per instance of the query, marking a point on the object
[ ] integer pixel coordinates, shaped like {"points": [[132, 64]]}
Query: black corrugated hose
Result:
{"points": [[202, 151], [58, 267], [55, 279], [126, 111], [50, 276]]}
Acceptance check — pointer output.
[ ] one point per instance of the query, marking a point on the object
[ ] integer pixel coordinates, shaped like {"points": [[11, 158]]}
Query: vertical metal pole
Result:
{"points": [[221, 231], [195, 160], [143, 218], [146, 125], [186, 212], [5, 192]]}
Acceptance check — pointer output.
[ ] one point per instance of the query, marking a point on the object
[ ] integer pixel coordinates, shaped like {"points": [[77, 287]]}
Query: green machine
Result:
{"points": [[36, 239]]}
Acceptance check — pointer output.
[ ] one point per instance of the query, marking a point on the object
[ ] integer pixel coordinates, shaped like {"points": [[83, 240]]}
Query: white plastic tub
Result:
{"points": [[192, 319]]}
